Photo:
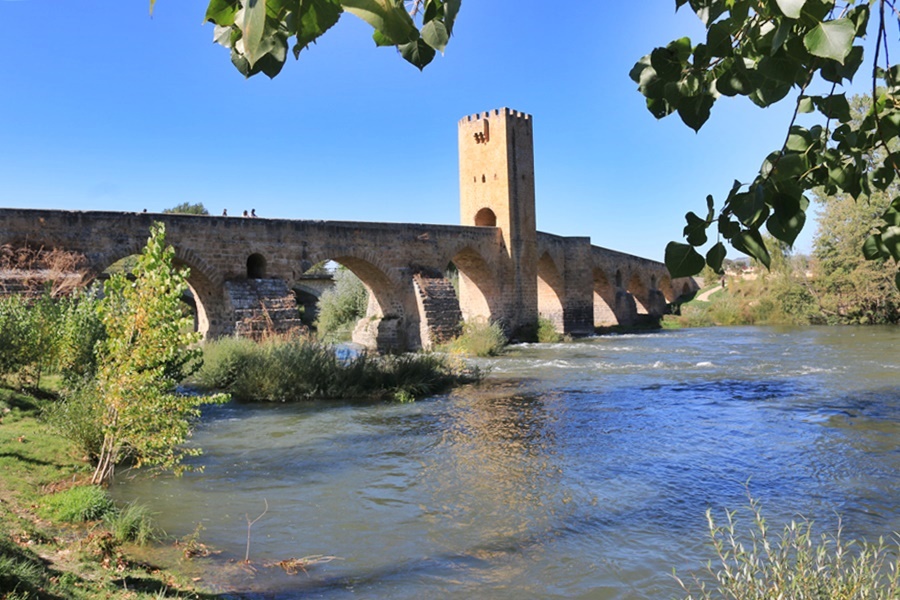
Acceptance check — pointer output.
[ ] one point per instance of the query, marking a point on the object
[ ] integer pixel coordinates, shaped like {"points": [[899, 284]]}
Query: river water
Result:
{"points": [[576, 470]]}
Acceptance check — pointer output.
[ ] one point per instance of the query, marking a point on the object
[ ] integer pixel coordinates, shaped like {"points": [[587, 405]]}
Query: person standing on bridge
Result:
{"points": [[252, 213]]}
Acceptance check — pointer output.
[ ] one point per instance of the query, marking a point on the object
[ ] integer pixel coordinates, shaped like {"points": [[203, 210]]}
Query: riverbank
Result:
{"points": [[46, 559]]}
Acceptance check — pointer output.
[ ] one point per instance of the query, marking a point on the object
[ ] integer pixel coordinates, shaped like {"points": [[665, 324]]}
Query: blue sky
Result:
{"points": [[107, 108]]}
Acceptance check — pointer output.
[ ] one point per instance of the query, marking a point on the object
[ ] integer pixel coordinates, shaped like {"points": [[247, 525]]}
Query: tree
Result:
{"points": [[764, 50], [149, 348], [186, 208], [257, 32]]}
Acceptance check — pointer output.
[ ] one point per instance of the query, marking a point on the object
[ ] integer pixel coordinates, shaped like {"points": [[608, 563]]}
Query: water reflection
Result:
{"points": [[581, 470]]}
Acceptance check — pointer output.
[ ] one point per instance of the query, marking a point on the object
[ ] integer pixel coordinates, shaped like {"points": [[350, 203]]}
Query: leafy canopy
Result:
{"points": [[148, 350], [765, 50], [258, 32]]}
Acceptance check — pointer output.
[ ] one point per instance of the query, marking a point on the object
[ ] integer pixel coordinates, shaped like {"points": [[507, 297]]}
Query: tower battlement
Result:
{"points": [[496, 113]]}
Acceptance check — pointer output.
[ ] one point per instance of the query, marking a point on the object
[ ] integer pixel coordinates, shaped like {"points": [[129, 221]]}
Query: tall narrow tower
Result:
{"points": [[496, 186]]}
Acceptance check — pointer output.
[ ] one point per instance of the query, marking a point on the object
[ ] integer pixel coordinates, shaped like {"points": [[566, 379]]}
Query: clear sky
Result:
{"points": [[106, 108]]}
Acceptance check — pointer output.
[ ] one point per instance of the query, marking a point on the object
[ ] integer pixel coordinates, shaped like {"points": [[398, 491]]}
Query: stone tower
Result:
{"points": [[496, 187]]}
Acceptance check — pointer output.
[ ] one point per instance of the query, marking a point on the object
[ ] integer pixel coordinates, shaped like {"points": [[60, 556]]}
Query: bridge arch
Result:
{"points": [[478, 288], [604, 300], [551, 291], [640, 291], [203, 285], [382, 326]]}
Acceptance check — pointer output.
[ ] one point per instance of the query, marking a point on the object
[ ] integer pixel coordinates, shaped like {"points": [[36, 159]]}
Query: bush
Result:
{"points": [[77, 504], [80, 331], [76, 417], [794, 564], [341, 306], [547, 333], [480, 338], [299, 368]]}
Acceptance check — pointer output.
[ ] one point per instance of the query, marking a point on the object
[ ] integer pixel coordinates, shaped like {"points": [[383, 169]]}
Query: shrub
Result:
{"points": [[547, 333], [223, 360], [341, 306], [480, 338], [793, 564], [76, 418], [77, 504], [299, 368], [80, 331]]}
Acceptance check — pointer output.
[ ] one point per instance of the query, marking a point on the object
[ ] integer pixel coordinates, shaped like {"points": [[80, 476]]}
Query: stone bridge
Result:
{"points": [[508, 271]]}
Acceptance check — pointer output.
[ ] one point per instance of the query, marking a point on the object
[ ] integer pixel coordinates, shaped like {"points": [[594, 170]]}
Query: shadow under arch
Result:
{"points": [[640, 292], [551, 292], [604, 294], [479, 293]]}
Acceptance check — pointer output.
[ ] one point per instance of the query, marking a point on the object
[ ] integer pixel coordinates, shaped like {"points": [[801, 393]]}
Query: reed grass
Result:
{"points": [[795, 564]]}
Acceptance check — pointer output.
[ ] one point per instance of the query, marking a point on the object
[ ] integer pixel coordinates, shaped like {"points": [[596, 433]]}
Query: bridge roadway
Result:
{"points": [[579, 285]]}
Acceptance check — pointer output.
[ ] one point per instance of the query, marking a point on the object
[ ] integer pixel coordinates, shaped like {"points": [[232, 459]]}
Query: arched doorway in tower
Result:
{"points": [[604, 300], [485, 218], [551, 292]]}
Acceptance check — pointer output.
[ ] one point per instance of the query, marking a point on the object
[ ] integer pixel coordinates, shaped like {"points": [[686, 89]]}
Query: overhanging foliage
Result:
{"points": [[765, 50]]}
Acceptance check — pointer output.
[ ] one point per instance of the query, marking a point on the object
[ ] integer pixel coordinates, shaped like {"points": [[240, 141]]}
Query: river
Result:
{"points": [[575, 470]]}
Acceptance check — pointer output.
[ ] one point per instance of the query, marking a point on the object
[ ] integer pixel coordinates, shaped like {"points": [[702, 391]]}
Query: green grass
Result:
{"points": [[36, 558], [76, 505]]}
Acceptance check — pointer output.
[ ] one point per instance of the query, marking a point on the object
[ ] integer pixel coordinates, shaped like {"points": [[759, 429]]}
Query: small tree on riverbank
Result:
{"points": [[149, 349]]}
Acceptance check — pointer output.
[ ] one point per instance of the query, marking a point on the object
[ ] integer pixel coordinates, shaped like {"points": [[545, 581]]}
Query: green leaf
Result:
{"points": [[682, 260], [716, 256], [417, 53], [435, 35], [718, 40], [873, 248], [805, 105], [388, 17], [222, 12], [791, 8], [831, 39], [728, 228], [666, 63], [751, 243], [694, 110], [710, 208], [897, 280], [786, 228], [451, 9], [695, 230], [252, 26], [834, 106], [315, 18], [890, 237]]}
